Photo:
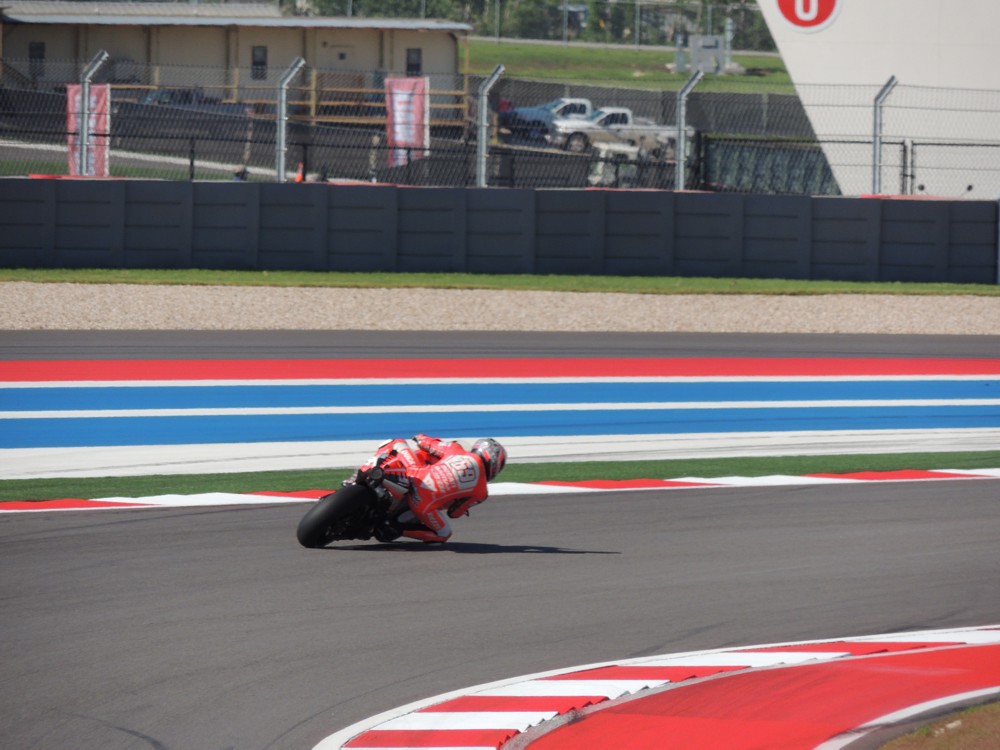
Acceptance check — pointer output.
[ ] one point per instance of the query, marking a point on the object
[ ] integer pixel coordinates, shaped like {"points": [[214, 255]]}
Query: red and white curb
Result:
{"points": [[488, 716], [499, 490]]}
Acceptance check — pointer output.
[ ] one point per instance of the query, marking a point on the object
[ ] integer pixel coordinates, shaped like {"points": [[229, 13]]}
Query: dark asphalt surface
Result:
{"points": [[208, 629], [211, 629]]}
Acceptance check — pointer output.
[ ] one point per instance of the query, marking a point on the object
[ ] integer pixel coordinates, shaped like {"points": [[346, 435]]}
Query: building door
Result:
{"points": [[36, 60]]}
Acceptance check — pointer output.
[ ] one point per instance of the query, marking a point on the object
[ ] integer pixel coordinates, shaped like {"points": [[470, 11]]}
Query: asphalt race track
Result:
{"points": [[208, 629]]}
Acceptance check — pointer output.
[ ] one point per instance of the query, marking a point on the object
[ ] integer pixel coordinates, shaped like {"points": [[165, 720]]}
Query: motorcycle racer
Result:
{"points": [[441, 481]]}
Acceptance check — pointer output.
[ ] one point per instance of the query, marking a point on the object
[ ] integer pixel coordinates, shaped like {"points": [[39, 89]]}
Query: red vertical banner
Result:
{"points": [[407, 118], [98, 127], [73, 108]]}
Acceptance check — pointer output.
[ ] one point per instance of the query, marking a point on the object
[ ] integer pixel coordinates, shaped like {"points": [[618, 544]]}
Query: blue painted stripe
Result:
{"points": [[278, 396], [105, 431]]}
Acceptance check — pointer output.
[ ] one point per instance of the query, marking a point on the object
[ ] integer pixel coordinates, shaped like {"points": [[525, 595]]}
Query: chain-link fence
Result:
{"points": [[950, 140], [178, 122]]}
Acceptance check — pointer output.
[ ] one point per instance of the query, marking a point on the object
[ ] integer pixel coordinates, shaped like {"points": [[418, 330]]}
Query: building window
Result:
{"points": [[258, 63], [414, 61], [36, 59]]}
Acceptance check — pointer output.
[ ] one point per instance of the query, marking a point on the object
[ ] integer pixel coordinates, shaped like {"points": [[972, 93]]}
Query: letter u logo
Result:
{"points": [[808, 15], [806, 10]]}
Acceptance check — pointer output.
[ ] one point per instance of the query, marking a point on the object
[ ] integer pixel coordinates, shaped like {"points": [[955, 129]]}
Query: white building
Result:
{"points": [[943, 116]]}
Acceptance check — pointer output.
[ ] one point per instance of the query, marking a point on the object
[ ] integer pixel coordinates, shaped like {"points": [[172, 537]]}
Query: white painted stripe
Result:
{"points": [[526, 488], [743, 659], [487, 381], [445, 720], [451, 408], [223, 458], [133, 506], [776, 480], [849, 738], [204, 499], [210, 499], [977, 472], [788, 480], [976, 637], [567, 688], [197, 458]]}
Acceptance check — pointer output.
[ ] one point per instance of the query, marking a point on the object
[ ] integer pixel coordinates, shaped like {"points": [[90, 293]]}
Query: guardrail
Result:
{"points": [[320, 227]]}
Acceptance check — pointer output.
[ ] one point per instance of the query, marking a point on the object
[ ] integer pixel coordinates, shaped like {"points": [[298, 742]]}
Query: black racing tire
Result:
{"points": [[317, 527]]}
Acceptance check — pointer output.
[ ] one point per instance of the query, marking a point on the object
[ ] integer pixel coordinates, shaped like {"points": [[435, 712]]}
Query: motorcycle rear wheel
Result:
{"points": [[329, 518]]}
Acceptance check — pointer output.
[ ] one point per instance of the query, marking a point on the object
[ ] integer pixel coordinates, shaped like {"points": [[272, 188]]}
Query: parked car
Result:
{"points": [[613, 125], [533, 123]]}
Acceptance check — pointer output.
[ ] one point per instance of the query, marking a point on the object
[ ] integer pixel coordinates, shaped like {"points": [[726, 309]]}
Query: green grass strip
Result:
{"points": [[521, 282], [619, 66], [290, 481]]}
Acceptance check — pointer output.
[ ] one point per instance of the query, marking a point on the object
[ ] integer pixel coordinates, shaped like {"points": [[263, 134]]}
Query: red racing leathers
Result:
{"points": [[445, 482]]}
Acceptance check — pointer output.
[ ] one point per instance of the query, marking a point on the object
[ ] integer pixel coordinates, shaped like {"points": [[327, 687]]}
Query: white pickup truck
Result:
{"points": [[613, 125], [533, 122]]}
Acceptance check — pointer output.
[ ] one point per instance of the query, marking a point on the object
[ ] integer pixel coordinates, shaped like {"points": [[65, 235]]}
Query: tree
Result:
{"points": [[537, 19], [607, 20], [619, 21], [597, 28]]}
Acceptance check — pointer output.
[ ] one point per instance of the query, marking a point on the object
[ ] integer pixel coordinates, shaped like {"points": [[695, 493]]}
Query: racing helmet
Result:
{"points": [[492, 454]]}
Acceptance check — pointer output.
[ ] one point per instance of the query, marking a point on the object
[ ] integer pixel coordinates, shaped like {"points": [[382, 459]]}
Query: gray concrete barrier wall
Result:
{"points": [[319, 227]]}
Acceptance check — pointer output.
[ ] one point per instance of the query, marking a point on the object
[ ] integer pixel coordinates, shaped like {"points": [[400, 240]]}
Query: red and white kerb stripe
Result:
{"points": [[488, 716]]}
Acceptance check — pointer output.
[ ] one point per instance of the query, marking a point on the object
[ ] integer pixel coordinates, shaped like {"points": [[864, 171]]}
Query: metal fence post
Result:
{"points": [[281, 135], [877, 134], [680, 171], [638, 23], [83, 116], [483, 132]]}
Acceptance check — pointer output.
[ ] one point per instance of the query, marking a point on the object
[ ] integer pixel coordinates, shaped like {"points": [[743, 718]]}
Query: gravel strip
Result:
{"points": [[32, 306]]}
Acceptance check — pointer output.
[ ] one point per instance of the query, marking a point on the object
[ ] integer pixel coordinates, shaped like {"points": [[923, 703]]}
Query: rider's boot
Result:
{"points": [[406, 524], [421, 533]]}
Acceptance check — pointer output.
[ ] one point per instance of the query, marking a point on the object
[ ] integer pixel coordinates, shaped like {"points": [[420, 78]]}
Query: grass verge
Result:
{"points": [[621, 66], [289, 481], [521, 282], [975, 728]]}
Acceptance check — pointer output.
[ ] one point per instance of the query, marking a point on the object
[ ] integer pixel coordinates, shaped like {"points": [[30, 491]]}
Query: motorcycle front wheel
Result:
{"points": [[331, 516]]}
